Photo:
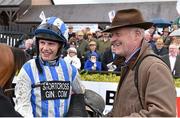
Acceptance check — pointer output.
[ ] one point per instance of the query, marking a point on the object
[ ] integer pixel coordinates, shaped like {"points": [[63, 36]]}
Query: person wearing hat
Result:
{"points": [[82, 47], [90, 36], [104, 42], [71, 33], [165, 36], [72, 58], [82, 43], [175, 37], [151, 92], [45, 84], [92, 64], [92, 48], [98, 34]]}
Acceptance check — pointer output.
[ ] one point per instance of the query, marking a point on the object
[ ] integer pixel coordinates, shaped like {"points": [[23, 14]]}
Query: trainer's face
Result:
{"points": [[123, 41], [48, 49]]}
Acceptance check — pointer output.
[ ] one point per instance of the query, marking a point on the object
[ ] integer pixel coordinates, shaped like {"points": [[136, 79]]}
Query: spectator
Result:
{"points": [[159, 48], [82, 47], [98, 34], [72, 58], [72, 42], [104, 43], [173, 60], [165, 36], [152, 30], [90, 36], [108, 59], [86, 30], [92, 64], [175, 37], [81, 43], [29, 47], [70, 32], [149, 38], [92, 48]]}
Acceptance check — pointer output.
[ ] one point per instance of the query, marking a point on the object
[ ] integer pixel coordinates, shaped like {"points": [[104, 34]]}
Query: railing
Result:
{"points": [[10, 38], [10, 35]]}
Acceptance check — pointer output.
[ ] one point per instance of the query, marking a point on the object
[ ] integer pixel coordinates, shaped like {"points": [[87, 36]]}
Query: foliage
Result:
{"points": [[110, 77], [177, 82]]}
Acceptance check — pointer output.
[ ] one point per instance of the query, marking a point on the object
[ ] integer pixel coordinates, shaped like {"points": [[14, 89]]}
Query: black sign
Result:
{"points": [[51, 90], [110, 95]]}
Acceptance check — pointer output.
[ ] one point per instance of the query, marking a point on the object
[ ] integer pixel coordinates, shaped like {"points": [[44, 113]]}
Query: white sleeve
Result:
{"points": [[77, 85], [23, 94], [77, 63]]}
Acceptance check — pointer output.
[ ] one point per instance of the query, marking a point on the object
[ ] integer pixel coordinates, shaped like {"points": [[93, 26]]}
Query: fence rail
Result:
{"points": [[10, 35], [10, 38]]}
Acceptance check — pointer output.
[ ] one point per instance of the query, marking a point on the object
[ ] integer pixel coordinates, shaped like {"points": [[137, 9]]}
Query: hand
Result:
{"points": [[94, 66]]}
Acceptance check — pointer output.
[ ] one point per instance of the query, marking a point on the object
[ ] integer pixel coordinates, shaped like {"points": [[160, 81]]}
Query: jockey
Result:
{"points": [[45, 84]]}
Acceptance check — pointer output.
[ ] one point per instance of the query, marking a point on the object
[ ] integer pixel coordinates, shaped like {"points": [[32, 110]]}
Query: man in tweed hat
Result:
{"points": [[150, 92]]}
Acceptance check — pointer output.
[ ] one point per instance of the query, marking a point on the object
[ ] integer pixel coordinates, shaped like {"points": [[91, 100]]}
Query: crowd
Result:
{"points": [[50, 74], [166, 44], [84, 44], [80, 47]]}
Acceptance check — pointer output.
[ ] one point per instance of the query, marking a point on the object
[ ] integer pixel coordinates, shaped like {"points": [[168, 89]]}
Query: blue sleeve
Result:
{"points": [[88, 65], [99, 66], [74, 72]]}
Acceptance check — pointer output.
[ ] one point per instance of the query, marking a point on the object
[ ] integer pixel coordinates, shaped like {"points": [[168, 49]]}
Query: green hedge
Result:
{"points": [[177, 82], [100, 77], [110, 77]]}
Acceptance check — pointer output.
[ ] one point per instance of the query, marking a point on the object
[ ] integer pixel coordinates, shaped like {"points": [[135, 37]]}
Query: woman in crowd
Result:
{"points": [[72, 58]]}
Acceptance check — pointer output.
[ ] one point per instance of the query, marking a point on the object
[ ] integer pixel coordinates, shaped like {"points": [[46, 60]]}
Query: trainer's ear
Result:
{"points": [[138, 34], [77, 106]]}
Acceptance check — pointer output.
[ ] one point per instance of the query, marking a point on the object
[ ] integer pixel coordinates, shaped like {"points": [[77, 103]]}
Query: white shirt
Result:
{"points": [[172, 60]]}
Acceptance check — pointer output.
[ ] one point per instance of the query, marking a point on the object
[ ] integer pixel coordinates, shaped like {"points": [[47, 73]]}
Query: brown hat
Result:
{"points": [[80, 33], [128, 18], [92, 43], [89, 33]]}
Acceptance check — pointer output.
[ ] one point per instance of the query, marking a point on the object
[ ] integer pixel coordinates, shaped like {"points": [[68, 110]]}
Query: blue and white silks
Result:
{"points": [[28, 100]]}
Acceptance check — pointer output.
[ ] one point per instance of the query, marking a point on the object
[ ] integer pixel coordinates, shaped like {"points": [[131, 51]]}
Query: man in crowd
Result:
{"points": [[173, 60]]}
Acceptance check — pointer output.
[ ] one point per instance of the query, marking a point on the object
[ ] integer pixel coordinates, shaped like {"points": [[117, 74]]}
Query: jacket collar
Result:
{"points": [[139, 54]]}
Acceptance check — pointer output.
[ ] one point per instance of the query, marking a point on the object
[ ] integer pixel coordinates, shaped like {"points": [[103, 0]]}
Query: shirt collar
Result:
{"points": [[50, 63], [132, 55]]}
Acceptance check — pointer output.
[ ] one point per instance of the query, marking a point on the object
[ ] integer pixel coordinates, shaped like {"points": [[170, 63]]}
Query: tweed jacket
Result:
{"points": [[176, 69], [156, 89]]}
